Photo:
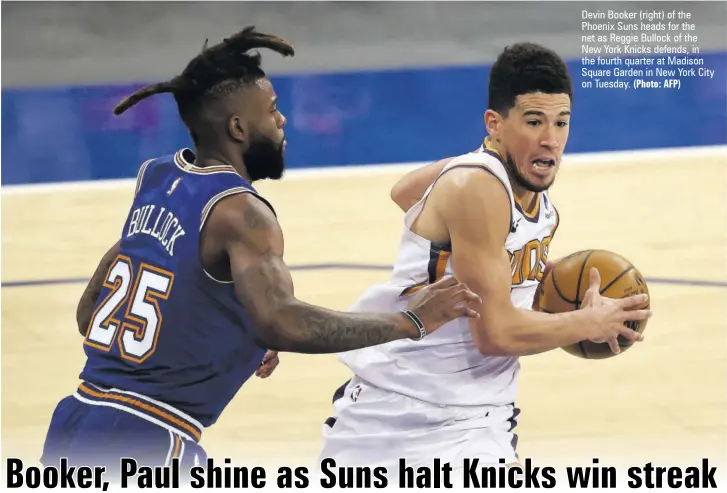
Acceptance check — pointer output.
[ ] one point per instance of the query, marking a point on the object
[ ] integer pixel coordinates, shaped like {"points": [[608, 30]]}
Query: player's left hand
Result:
{"points": [[594, 298], [270, 362]]}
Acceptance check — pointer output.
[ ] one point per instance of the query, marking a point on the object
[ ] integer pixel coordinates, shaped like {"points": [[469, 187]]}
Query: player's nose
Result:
{"points": [[549, 138]]}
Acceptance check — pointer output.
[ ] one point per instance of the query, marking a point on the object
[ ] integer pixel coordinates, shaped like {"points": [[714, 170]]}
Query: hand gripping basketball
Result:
{"points": [[610, 315], [441, 302]]}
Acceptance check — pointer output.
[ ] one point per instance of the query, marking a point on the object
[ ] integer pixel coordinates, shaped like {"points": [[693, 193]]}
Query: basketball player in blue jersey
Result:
{"points": [[184, 307]]}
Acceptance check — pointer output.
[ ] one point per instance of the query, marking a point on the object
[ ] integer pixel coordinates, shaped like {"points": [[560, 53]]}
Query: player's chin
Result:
{"points": [[539, 184], [542, 176], [277, 174]]}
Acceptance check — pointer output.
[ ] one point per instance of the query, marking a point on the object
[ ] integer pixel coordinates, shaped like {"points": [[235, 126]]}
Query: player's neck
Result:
{"points": [[526, 199], [209, 157]]}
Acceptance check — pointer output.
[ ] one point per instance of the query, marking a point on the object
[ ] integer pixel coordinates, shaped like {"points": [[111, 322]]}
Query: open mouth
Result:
{"points": [[543, 164]]}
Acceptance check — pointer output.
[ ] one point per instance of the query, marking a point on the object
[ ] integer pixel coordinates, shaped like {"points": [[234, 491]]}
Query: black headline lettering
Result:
{"points": [[49, 477], [595, 477], [285, 477], [503, 477], [651, 476], [226, 477], [149, 477], [437, 476], [352, 477]]}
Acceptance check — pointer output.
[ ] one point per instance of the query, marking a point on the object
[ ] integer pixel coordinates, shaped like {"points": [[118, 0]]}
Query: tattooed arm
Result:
{"points": [[93, 289], [247, 230]]}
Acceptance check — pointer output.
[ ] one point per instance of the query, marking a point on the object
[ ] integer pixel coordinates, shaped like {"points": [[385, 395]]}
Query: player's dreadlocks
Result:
{"points": [[220, 69]]}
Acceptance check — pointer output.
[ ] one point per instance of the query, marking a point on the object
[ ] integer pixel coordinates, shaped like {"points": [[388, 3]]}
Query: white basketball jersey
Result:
{"points": [[446, 367]]}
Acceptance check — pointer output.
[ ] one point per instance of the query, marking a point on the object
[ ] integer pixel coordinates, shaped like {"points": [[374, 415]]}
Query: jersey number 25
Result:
{"points": [[138, 329]]}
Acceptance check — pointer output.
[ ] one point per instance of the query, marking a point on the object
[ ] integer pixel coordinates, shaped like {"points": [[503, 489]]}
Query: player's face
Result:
{"points": [[264, 155], [533, 137]]}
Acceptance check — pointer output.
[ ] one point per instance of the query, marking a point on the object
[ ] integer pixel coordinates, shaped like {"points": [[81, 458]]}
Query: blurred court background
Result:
{"points": [[372, 83]]}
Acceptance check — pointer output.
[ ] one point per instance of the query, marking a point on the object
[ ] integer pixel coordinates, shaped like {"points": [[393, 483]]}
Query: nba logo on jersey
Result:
{"points": [[547, 209], [174, 186], [355, 392]]}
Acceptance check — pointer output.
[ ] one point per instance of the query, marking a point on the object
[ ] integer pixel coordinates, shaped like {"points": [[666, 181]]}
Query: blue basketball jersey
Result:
{"points": [[164, 332]]}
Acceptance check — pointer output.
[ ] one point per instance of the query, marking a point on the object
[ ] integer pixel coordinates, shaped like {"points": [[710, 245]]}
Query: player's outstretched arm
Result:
{"points": [[253, 241], [476, 209], [93, 289], [411, 187]]}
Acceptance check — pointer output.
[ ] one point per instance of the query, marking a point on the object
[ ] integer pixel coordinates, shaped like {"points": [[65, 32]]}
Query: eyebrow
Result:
{"points": [[540, 113]]}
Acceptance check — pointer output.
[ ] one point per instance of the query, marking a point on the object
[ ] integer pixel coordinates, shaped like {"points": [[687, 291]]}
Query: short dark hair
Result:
{"points": [[220, 69], [525, 68]]}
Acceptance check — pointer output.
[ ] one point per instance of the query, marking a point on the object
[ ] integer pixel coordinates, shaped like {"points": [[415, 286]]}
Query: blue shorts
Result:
{"points": [[96, 427]]}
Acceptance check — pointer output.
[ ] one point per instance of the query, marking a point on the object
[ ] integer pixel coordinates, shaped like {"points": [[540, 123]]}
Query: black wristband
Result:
{"points": [[412, 316]]}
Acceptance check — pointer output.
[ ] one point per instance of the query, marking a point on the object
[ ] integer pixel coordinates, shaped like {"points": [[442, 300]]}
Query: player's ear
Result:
{"points": [[493, 122], [237, 128]]}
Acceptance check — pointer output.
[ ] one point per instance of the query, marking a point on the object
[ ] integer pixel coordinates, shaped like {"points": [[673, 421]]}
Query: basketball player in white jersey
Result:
{"points": [[486, 216]]}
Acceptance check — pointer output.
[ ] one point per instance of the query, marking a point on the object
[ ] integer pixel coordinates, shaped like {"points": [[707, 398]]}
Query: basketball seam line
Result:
{"points": [[580, 278], [616, 279], [557, 289], [578, 298]]}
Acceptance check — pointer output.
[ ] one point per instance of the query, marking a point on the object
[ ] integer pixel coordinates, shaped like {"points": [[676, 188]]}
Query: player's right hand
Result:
{"points": [[609, 315], [442, 302]]}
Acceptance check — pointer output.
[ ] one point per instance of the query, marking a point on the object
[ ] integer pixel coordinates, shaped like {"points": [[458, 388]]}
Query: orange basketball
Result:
{"points": [[563, 287]]}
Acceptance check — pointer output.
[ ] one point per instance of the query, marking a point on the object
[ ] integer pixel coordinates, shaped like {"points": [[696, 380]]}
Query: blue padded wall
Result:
{"points": [[365, 117]]}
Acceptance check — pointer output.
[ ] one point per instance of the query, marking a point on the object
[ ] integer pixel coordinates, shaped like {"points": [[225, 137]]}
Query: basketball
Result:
{"points": [[563, 287]]}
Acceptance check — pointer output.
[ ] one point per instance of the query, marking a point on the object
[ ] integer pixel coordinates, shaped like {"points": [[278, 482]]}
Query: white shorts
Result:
{"points": [[375, 427]]}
